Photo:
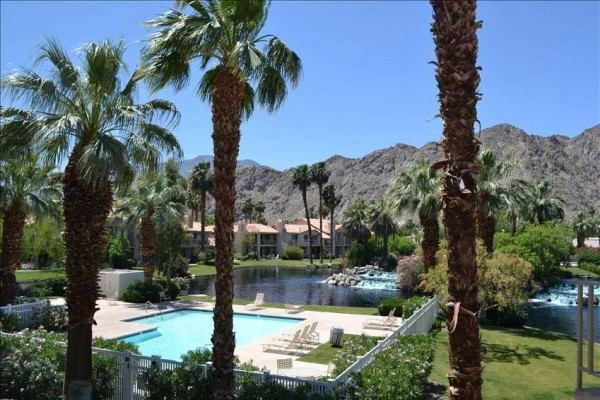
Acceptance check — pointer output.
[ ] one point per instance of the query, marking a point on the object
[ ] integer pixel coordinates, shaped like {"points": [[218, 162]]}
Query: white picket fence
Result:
{"points": [[129, 384], [24, 311]]}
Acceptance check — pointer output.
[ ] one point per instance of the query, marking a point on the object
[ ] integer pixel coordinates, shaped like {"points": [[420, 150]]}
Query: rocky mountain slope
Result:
{"points": [[572, 165], [185, 168]]}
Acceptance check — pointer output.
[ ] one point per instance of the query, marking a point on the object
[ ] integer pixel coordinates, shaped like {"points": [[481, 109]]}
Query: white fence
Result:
{"points": [[24, 311], [129, 384]]}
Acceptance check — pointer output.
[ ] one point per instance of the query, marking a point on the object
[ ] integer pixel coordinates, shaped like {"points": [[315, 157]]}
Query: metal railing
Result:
{"points": [[581, 367]]}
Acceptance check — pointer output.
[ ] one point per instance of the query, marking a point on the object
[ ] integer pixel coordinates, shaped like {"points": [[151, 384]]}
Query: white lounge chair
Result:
{"points": [[291, 346], [312, 336], [258, 302], [390, 322], [163, 297], [286, 337], [293, 309]]}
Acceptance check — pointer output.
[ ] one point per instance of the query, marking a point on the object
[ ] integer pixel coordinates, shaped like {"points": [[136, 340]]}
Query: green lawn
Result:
{"points": [[312, 307], [577, 272], [200, 269], [521, 364], [324, 353], [32, 275]]}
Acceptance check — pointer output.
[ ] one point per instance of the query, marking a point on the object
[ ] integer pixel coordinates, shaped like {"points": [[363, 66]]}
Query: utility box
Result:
{"points": [[336, 335], [113, 282]]}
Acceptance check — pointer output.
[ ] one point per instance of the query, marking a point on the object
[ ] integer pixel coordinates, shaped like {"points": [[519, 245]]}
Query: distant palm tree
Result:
{"points": [[259, 209], [331, 200], [320, 176], [538, 202], [28, 190], [417, 190], [583, 225], [201, 182], [301, 179], [248, 210], [380, 218], [86, 115], [455, 35], [193, 203], [356, 221], [224, 36], [489, 195]]}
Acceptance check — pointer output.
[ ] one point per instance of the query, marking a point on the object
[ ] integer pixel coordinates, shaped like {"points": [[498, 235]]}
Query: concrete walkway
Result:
{"points": [[112, 315]]}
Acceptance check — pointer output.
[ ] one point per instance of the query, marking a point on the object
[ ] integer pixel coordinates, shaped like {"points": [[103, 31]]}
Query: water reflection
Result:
{"points": [[295, 286]]}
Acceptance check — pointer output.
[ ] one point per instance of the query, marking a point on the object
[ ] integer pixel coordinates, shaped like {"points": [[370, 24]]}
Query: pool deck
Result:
{"points": [[111, 319]]}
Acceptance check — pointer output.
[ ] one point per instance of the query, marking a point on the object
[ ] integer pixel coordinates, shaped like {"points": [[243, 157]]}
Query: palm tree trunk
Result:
{"points": [[580, 240], [86, 208], [431, 240], [321, 222], [148, 241], [455, 36], [385, 245], [486, 224], [202, 219], [332, 238], [310, 255], [226, 117], [12, 243], [513, 220]]}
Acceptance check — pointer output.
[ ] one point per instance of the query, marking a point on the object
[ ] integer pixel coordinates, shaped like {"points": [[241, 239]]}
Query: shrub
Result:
{"points": [[589, 256], [409, 270], [402, 246], [170, 287], [47, 287], [353, 347], [292, 253], [117, 252], [361, 253], [399, 372], [386, 305], [34, 369], [50, 318], [140, 292], [411, 305], [590, 267], [510, 317], [10, 322], [116, 345]]}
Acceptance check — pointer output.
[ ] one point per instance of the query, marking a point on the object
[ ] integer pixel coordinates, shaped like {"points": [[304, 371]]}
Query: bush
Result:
{"points": [[386, 305], [589, 256], [50, 318], [140, 292], [410, 357], [590, 267], [292, 253], [353, 347], [117, 252], [510, 317], [34, 369], [170, 287], [360, 254], [116, 345], [411, 305], [402, 246], [45, 288], [10, 322], [409, 272]]}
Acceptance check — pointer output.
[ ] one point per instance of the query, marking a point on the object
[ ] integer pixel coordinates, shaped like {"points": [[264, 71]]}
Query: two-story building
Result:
{"points": [[296, 234]]}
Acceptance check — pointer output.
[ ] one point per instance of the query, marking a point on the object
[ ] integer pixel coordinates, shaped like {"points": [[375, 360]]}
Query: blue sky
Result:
{"points": [[367, 83]]}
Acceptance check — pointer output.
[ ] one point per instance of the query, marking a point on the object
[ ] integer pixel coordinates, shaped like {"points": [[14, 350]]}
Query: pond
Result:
{"points": [[296, 286], [556, 310]]}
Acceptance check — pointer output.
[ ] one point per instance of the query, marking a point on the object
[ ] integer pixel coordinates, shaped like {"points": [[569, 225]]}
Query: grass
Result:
{"points": [[524, 364], [577, 272], [312, 307], [33, 275], [324, 353], [201, 269]]}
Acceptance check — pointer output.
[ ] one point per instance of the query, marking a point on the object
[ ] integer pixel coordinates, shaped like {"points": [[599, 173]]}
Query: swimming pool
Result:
{"points": [[179, 331]]}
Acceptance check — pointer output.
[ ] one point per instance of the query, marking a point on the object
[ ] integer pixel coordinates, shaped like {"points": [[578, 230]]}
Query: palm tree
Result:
{"points": [[28, 189], [225, 37], [417, 190], [201, 182], [538, 203], [455, 35], [380, 218], [85, 115], [259, 209], [248, 210], [320, 176], [583, 225], [355, 221], [193, 203], [489, 195], [301, 179], [331, 200], [511, 205]]}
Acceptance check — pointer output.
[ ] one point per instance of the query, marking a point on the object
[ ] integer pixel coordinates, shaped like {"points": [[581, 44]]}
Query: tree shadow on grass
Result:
{"points": [[522, 355], [532, 333]]}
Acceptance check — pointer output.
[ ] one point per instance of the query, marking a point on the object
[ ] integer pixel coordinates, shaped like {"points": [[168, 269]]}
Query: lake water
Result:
{"points": [[296, 286]]}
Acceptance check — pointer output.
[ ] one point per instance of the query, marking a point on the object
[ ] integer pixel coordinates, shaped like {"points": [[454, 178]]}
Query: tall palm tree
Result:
{"points": [[248, 210], [538, 202], [28, 190], [259, 209], [583, 225], [301, 179], [489, 195], [455, 35], [380, 218], [225, 37], [320, 176], [84, 114], [193, 203], [511, 205], [417, 190], [356, 222], [331, 200], [201, 181]]}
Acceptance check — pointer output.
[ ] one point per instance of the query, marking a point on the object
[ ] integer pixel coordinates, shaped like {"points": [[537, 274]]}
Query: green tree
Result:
{"points": [[454, 31], [320, 176], [201, 182], [331, 200], [28, 190], [417, 190], [356, 222], [538, 204], [248, 210], [382, 224], [84, 114], [583, 225], [225, 37], [301, 179], [259, 209], [42, 242]]}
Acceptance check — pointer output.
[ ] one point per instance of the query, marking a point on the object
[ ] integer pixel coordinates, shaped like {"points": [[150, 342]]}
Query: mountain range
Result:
{"points": [[571, 165]]}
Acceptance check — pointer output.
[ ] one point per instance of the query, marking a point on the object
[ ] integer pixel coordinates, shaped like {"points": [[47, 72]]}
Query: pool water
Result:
{"points": [[183, 330]]}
